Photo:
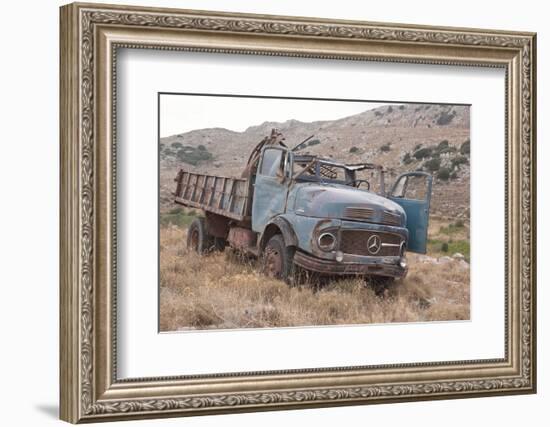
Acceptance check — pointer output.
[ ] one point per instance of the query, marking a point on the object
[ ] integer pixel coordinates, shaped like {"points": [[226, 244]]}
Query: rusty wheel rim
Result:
{"points": [[273, 263], [195, 239]]}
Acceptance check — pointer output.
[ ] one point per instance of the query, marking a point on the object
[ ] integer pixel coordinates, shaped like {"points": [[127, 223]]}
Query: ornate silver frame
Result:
{"points": [[90, 35]]}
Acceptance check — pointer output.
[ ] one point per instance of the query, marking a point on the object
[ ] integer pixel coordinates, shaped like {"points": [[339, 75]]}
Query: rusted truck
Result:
{"points": [[300, 210]]}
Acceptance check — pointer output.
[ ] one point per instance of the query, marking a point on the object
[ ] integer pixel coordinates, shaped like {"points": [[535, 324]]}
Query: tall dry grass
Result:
{"points": [[223, 291]]}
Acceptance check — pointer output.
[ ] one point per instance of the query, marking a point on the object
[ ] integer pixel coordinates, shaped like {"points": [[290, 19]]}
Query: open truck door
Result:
{"points": [[413, 192]]}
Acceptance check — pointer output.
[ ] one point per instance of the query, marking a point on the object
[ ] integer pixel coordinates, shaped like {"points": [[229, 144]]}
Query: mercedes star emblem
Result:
{"points": [[374, 244]]}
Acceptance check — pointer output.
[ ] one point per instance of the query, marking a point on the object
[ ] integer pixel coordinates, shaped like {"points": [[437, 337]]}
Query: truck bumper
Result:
{"points": [[371, 266]]}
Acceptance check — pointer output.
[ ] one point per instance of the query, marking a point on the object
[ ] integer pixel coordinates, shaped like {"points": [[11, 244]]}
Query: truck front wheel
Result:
{"points": [[278, 259], [379, 283], [198, 238]]}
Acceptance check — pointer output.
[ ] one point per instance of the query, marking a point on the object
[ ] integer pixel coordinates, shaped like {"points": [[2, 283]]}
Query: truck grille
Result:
{"points": [[356, 242], [368, 214], [390, 218], [359, 213]]}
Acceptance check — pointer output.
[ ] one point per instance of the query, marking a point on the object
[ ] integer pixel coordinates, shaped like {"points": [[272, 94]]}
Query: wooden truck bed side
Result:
{"points": [[221, 195]]}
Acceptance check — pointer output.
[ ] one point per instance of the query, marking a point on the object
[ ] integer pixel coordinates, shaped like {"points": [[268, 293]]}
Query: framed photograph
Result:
{"points": [[267, 212]]}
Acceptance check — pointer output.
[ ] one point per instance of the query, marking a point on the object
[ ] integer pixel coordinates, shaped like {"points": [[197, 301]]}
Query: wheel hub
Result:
{"points": [[273, 263], [195, 239]]}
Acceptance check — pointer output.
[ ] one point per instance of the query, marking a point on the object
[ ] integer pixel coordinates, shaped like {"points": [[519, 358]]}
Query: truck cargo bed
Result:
{"points": [[222, 195]]}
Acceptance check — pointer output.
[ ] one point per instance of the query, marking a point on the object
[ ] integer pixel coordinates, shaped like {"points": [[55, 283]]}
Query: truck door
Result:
{"points": [[270, 186], [413, 192]]}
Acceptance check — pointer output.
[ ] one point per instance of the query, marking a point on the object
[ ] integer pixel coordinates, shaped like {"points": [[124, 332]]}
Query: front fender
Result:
{"points": [[289, 236], [303, 228]]}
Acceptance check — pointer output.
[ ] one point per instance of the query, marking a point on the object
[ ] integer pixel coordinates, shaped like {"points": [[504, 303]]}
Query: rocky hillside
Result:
{"points": [[433, 138]]}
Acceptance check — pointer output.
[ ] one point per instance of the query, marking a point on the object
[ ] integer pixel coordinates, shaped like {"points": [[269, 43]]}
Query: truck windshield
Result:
{"points": [[320, 171]]}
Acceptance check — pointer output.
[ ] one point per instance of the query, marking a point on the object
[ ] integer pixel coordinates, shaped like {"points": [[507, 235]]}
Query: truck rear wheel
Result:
{"points": [[278, 259], [198, 238]]}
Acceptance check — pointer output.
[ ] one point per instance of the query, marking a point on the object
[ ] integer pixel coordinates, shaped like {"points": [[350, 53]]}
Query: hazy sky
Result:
{"points": [[182, 113]]}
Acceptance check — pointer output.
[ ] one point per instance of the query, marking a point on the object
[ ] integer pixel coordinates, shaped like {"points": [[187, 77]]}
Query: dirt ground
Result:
{"points": [[221, 291]]}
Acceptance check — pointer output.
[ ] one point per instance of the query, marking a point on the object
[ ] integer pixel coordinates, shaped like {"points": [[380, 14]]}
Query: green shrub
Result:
{"points": [[462, 247], [465, 147], [436, 246], [193, 156], [407, 158], [459, 160], [442, 145], [452, 228], [177, 216], [401, 107], [175, 211], [444, 174], [378, 113], [445, 118], [353, 150], [313, 142], [422, 153], [390, 109], [176, 145], [201, 148], [449, 149], [433, 164], [385, 148], [417, 147]]}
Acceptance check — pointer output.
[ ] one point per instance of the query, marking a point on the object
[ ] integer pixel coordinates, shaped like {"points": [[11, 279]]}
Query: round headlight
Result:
{"points": [[327, 241]]}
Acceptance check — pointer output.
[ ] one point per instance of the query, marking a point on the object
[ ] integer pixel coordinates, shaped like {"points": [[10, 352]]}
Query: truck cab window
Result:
{"points": [[272, 163], [411, 187]]}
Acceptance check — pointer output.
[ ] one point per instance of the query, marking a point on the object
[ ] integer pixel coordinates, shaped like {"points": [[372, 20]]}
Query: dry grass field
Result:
{"points": [[221, 291]]}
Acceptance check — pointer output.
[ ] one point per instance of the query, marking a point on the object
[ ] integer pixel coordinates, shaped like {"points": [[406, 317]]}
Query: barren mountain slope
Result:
{"points": [[391, 135]]}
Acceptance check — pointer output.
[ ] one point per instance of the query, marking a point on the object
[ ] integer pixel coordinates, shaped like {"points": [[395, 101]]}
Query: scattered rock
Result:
{"points": [[444, 260], [426, 259], [425, 303], [458, 256], [463, 264]]}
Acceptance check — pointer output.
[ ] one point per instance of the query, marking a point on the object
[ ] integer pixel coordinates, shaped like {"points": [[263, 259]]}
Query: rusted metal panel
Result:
{"points": [[221, 195], [195, 205], [241, 238], [379, 266], [217, 225]]}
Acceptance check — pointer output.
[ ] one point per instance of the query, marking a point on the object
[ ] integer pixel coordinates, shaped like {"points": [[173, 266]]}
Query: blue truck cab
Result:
{"points": [[333, 220]]}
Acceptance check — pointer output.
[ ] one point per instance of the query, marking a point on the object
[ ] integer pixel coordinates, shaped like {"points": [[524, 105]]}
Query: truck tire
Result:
{"points": [[198, 238], [220, 243], [278, 259], [380, 283]]}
